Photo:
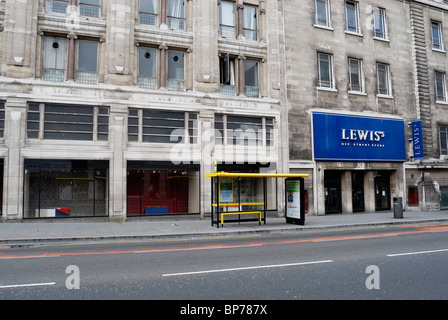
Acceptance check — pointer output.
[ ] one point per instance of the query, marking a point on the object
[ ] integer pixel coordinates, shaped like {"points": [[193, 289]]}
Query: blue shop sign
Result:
{"points": [[417, 139], [341, 137]]}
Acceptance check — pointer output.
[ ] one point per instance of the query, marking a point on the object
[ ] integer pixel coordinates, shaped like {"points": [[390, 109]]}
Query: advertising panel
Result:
{"points": [[295, 212], [343, 137], [226, 190]]}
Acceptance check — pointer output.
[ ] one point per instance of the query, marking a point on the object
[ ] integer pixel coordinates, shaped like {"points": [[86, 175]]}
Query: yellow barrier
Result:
{"points": [[256, 175], [223, 204], [240, 212]]}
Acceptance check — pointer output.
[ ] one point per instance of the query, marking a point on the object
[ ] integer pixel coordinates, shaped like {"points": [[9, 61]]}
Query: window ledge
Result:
{"points": [[66, 143], [442, 102], [381, 39], [326, 89], [358, 34], [49, 17], [384, 96], [358, 93], [88, 18], [55, 13], [323, 27], [438, 50]]}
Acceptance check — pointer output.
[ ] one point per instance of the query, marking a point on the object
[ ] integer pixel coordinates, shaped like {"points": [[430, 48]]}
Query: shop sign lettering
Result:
{"points": [[417, 139], [362, 135]]}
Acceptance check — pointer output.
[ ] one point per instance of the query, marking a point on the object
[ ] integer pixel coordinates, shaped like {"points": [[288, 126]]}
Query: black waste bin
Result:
{"points": [[398, 208]]}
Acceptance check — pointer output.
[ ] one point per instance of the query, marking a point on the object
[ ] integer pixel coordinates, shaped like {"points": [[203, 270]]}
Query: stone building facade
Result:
{"points": [[367, 63], [427, 177], [119, 108]]}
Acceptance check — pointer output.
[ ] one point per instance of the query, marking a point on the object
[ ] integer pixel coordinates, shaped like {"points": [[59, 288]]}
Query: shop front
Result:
{"points": [[358, 162], [161, 188], [427, 187], [65, 188]]}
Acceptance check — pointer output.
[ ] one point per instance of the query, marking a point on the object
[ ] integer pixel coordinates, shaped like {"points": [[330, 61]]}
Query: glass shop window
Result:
{"points": [[162, 188], [65, 188]]}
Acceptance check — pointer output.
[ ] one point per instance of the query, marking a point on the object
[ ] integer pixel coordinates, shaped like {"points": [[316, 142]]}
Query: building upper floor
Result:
{"points": [[366, 47], [225, 47], [230, 47], [379, 56]]}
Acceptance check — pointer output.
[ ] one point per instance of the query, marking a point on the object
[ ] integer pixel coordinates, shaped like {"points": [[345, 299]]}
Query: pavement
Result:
{"points": [[54, 230]]}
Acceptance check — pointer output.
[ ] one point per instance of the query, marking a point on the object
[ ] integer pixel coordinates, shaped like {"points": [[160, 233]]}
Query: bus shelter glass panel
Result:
{"points": [[65, 188], [243, 193], [251, 188]]}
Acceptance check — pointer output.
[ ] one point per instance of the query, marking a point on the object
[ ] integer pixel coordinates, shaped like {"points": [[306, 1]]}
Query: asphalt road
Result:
{"points": [[390, 263]]}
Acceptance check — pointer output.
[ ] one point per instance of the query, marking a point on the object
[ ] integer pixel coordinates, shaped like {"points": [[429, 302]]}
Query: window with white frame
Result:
{"points": [[244, 130], [89, 8], [227, 75], [383, 76], [176, 14], [436, 35], [33, 121], [440, 86], [322, 13], [152, 74], [325, 70], [158, 126], [355, 75], [67, 122], [56, 68], [58, 6], [2, 118], [234, 23], [251, 88], [54, 61], [87, 66], [228, 72], [149, 10], [133, 125], [250, 22], [227, 26], [176, 71], [443, 135], [147, 68], [379, 23], [352, 17]]}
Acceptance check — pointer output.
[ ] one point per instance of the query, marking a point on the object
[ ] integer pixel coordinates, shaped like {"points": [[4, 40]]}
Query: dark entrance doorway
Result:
{"points": [[358, 191], [332, 185], [382, 190], [443, 197]]}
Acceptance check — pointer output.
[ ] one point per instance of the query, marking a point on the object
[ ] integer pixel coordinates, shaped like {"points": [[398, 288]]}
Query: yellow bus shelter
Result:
{"points": [[225, 202]]}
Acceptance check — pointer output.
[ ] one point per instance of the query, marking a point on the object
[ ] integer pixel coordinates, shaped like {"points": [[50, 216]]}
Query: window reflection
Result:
{"points": [[155, 189], [65, 188]]}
